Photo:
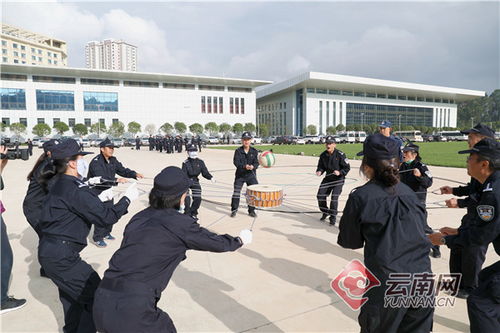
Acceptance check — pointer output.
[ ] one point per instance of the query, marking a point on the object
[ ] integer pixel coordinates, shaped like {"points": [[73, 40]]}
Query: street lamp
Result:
{"points": [[399, 120], [362, 115]]}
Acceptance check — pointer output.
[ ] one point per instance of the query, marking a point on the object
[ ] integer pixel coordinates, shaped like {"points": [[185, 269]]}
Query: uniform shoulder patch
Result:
{"points": [[486, 212], [488, 188], [428, 174]]}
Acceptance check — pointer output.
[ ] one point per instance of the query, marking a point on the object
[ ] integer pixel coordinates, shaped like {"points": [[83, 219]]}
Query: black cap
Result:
{"points": [[246, 135], [330, 139], [380, 147], [486, 147], [67, 148], [171, 181], [49, 145], [481, 129], [107, 143], [411, 147], [385, 124], [192, 148]]}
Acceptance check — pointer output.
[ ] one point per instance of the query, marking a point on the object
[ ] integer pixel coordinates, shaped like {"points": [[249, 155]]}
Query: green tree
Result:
{"points": [[330, 130], [61, 127], [80, 129], [98, 128], [180, 127], [150, 129], [238, 128], [134, 127], [41, 130], [196, 128], [18, 128], [249, 127], [212, 127], [224, 128], [349, 127], [311, 130], [3, 127], [263, 130], [167, 128], [117, 129], [357, 127], [340, 128]]}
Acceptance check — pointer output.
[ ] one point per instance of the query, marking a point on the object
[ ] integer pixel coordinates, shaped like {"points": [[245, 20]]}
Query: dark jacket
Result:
{"points": [[241, 159], [193, 167], [107, 170], [468, 190], [36, 195], [71, 208], [417, 184], [155, 242], [336, 161]]}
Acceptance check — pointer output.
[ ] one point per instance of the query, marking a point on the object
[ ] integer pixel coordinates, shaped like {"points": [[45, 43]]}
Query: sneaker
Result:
{"points": [[323, 217], [333, 220], [462, 293], [100, 243], [435, 252], [194, 216], [109, 237], [233, 213], [11, 304], [252, 214]]}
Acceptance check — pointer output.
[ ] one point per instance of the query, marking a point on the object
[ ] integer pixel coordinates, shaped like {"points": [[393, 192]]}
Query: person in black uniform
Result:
{"points": [[69, 211], [137, 143], [193, 167], [246, 161], [151, 142], [336, 165], [417, 176], [483, 303], [468, 260], [30, 147], [106, 166], [387, 218], [155, 242]]}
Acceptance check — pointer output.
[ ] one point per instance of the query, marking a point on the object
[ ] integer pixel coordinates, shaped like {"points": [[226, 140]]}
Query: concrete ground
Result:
{"points": [[280, 282]]}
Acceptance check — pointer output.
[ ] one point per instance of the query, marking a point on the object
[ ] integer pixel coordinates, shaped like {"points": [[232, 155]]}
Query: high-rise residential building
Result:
{"points": [[111, 54], [21, 46]]}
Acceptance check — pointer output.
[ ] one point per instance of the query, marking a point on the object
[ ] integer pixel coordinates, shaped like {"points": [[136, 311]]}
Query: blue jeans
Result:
{"points": [[7, 260]]}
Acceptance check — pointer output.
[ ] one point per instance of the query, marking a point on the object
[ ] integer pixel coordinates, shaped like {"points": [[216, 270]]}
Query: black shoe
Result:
{"points": [[462, 293], [333, 220], [42, 273], [435, 252], [323, 217], [252, 214], [233, 213], [11, 304], [194, 216]]}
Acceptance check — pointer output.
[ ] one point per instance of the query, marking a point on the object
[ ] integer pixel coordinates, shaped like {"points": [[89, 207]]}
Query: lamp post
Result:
{"points": [[362, 115], [399, 121]]}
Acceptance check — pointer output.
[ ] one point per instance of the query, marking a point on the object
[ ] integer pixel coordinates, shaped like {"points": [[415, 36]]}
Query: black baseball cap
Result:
{"points": [[192, 148], [107, 143], [385, 124], [172, 181], [246, 135], [49, 145], [380, 147], [411, 147], [486, 147], [480, 129], [67, 148], [330, 139]]}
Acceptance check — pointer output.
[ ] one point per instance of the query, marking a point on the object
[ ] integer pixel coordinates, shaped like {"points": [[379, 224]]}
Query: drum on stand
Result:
{"points": [[266, 196]]}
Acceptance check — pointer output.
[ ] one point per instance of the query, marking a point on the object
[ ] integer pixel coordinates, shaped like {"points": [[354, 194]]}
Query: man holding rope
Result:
{"points": [[336, 165]]}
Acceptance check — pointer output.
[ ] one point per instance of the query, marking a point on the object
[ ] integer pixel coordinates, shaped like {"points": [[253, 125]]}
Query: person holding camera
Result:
{"points": [[9, 303]]}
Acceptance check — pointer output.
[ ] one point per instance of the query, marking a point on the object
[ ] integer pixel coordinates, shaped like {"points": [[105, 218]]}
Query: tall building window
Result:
{"points": [[16, 54], [4, 51], [237, 105], [220, 105], [6, 121], [231, 105], [115, 121], [13, 99], [57, 100], [87, 122], [14, 45], [214, 106], [4, 43], [40, 120], [71, 122], [203, 104], [209, 104], [24, 121], [242, 106], [23, 47], [55, 121], [100, 101]]}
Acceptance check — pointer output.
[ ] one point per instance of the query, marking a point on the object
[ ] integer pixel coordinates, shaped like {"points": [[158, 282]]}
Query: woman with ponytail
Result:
{"points": [[386, 218]]}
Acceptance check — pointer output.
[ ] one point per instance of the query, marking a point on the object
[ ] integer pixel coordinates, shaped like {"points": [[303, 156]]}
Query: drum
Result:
{"points": [[264, 196]]}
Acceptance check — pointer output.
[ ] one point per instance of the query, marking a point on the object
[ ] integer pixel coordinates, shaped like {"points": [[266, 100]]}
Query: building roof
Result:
{"points": [[19, 33], [362, 84], [123, 75]]}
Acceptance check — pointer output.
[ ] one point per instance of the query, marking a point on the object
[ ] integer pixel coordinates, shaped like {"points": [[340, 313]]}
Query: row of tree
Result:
{"points": [[485, 110]]}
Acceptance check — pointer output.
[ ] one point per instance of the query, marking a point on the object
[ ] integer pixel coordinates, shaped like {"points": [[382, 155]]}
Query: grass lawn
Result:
{"points": [[433, 153]]}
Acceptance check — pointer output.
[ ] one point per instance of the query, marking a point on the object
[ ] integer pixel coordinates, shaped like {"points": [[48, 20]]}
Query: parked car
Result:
{"points": [[439, 138], [347, 137], [96, 142], [235, 141], [299, 140], [283, 140], [118, 142], [257, 140], [427, 137], [270, 139], [86, 143], [360, 136], [41, 142], [145, 141], [213, 140], [312, 139]]}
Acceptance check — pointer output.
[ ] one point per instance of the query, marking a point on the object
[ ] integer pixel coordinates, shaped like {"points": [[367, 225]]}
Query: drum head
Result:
{"points": [[264, 188]]}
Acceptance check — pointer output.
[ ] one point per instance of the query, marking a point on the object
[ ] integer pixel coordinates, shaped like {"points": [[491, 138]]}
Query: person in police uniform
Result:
{"points": [[385, 128], [193, 167], [335, 164], [417, 176], [151, 142], [69, 211], [483, 303], [388, 219], [106, 166], [246, 161], [468, 260], [155, 242]]}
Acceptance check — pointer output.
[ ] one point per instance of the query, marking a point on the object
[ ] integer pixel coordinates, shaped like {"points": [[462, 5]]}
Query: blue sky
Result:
{"points": [[453, 44]]}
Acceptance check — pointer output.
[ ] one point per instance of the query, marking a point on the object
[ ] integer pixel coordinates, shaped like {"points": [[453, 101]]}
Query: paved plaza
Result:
{"points": [[280, 282]]}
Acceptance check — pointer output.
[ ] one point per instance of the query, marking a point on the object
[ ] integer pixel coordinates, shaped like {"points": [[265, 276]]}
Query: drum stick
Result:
{"points": [[251, 227]]}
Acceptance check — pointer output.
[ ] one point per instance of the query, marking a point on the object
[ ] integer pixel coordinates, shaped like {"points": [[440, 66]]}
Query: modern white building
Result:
{"points": [[34, 94], [111, 54], [324, 100], [20, 46]]}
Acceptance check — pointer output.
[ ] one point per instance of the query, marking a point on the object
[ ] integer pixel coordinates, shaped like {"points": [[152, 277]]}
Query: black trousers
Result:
{"points": [[374, 317], [483, 304], [76, 280], [129, 306], [238, 184], [324, 191], [151, 147], [467, 261], [191, 206], [101, 231]]}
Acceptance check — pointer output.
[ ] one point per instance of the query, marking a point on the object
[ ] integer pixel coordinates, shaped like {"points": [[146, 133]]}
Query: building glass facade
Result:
{"points": [[100, 101], [13, 99], [358, 113], [55, 100]]}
